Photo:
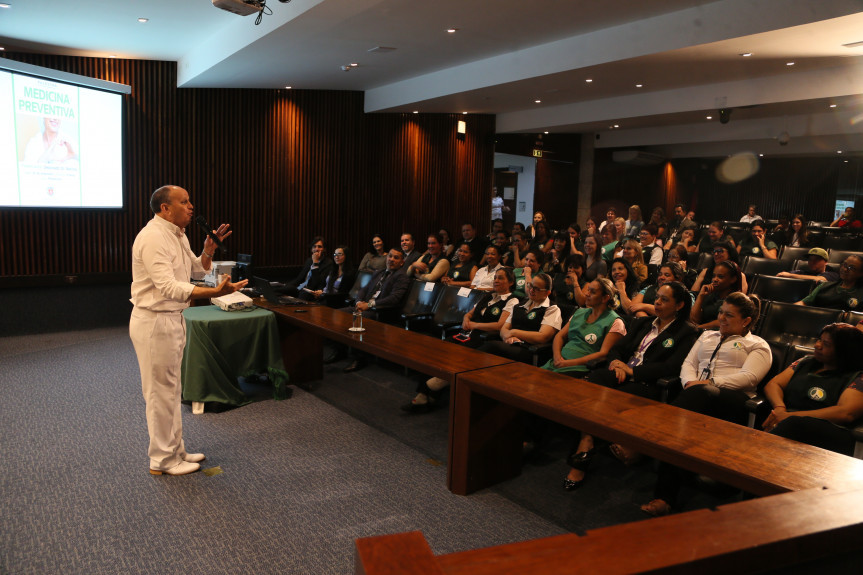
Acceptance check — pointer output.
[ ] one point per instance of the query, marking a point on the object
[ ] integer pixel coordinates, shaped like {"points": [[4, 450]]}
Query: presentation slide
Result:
{"points": [[60, 144]]}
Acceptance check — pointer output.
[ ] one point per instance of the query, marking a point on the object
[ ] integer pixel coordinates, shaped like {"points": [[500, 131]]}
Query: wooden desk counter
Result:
{"points": [[485, 438], [303, 328]]}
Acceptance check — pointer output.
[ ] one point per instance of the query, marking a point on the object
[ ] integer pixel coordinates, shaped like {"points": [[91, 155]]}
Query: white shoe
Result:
{"points": [[182, 468], [194, 457]]}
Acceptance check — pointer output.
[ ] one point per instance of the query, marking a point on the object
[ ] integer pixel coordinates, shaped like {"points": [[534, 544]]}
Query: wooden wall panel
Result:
{"points": [[280, 165]]}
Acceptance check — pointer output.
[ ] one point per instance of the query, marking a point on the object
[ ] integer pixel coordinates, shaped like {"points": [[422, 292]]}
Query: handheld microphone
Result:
{"points": [[205, 227]]}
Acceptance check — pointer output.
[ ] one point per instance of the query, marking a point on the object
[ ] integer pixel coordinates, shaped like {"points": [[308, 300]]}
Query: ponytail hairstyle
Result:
{"points": [[608, 288], [749, 306]]}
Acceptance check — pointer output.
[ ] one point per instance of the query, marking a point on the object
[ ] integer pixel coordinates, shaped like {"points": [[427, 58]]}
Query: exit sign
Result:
{"points": [[537, 153]]}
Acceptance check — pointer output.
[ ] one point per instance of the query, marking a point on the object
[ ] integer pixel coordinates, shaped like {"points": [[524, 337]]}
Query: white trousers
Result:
{"points": [[159, 340]]}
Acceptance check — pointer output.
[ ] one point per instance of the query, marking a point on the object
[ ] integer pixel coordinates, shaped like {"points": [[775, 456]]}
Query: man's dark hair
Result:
{"points": [[159, 197]]}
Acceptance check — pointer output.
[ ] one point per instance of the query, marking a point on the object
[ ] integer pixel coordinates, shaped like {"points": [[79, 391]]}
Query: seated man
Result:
{"points": [[477, 244], [382, 296], [314, 274], [750, 215], [816, 269], [407, 243]]}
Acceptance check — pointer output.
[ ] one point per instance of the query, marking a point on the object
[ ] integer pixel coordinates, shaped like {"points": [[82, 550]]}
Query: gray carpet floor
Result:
{"points": [[300, 478]]}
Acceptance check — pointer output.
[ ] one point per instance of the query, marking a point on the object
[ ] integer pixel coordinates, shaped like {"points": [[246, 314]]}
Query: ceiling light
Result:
{"points": [[143, 20], [746, 54], [832, 105], [639, 85], [464, 113], [287, 87], [452, 30], [354, 64], [545, 132], [709, 117], [789, 63], [2, 48], [416, 111], [760, 155], [838, 151], [589, 80], [5, 5], [112, 56], [616, 125], [537, 101]]}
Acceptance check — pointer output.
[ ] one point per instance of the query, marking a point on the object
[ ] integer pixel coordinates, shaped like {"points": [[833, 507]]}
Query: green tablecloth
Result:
{"points": [[222, 346]]}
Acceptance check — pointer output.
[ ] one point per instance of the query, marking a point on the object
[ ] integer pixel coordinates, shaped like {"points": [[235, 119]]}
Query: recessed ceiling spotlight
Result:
{"points": [[838, 151], [709, 117], [832, 105], [639, 85], [287, 87], [354, 64], [464, 113], [538, 101], [2, 48], [760, 155], [143, 20], [451, 30], [416, 111], [616, 125], [589, 80], [789, 63], [5, 5], [545, 132], [746, 54]]}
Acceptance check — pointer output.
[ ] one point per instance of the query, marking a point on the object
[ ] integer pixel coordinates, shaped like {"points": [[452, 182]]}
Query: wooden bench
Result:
{"points": [[303, 328], [486, 435], [771, 534]]}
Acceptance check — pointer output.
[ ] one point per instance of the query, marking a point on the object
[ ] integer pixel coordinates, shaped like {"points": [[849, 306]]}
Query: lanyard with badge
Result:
{"points": [[706, 373]]}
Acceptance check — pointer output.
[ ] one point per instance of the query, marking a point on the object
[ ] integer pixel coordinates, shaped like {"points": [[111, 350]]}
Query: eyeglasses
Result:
{"points": [[532, 287], [849, 267], [338, 255], [718, 252]]}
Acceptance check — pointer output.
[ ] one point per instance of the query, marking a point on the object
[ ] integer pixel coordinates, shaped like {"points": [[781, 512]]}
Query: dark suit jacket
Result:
{"points": [[318, 279], [661, 359], [393, 291], [409, 259]]}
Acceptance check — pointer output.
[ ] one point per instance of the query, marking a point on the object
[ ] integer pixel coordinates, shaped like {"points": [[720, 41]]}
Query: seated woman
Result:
{"points": [[722, 251], [552, 263], [590, 227], [488, 315], [634, 223], [534, 322], [569, 287], [798, 235], [626, 284], [524, 275], [542, 239], [727, 279], [575, 241], [824, 392], [448, 247], [462, 272], [715, 233], [432, 265], [592, 332], [687, 240], [531, 229], [653, 348], [642, 304], [719, 375], [594, 264], [313, 276], [340, 280], [483, 279], [845, 294], [756, 244], [376, 259], [609, 242], [657, 218], [634, 254], [677, 255]]}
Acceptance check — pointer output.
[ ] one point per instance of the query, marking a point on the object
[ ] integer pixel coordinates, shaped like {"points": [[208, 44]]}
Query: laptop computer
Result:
{"points": [[271, 296]]}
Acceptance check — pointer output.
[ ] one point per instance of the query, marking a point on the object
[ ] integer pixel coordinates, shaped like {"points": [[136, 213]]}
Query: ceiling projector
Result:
{"points": [[240, 7]]}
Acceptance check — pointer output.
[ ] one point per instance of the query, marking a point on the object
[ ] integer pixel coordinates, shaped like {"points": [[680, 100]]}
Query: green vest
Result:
{"points": [[583, 338]]}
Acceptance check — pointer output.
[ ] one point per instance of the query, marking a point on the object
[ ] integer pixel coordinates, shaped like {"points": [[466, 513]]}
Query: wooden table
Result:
{"points": [[486, 436], [303, 328], [770, 534]]}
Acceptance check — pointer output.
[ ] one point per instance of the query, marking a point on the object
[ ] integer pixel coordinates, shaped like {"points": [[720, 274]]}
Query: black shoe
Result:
{"points": [[356, 365], [581, 460], [570, 485]]}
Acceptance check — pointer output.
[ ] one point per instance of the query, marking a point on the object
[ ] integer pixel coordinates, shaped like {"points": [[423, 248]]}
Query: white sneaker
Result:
{"points": [[194, 457], [182, 468]]}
